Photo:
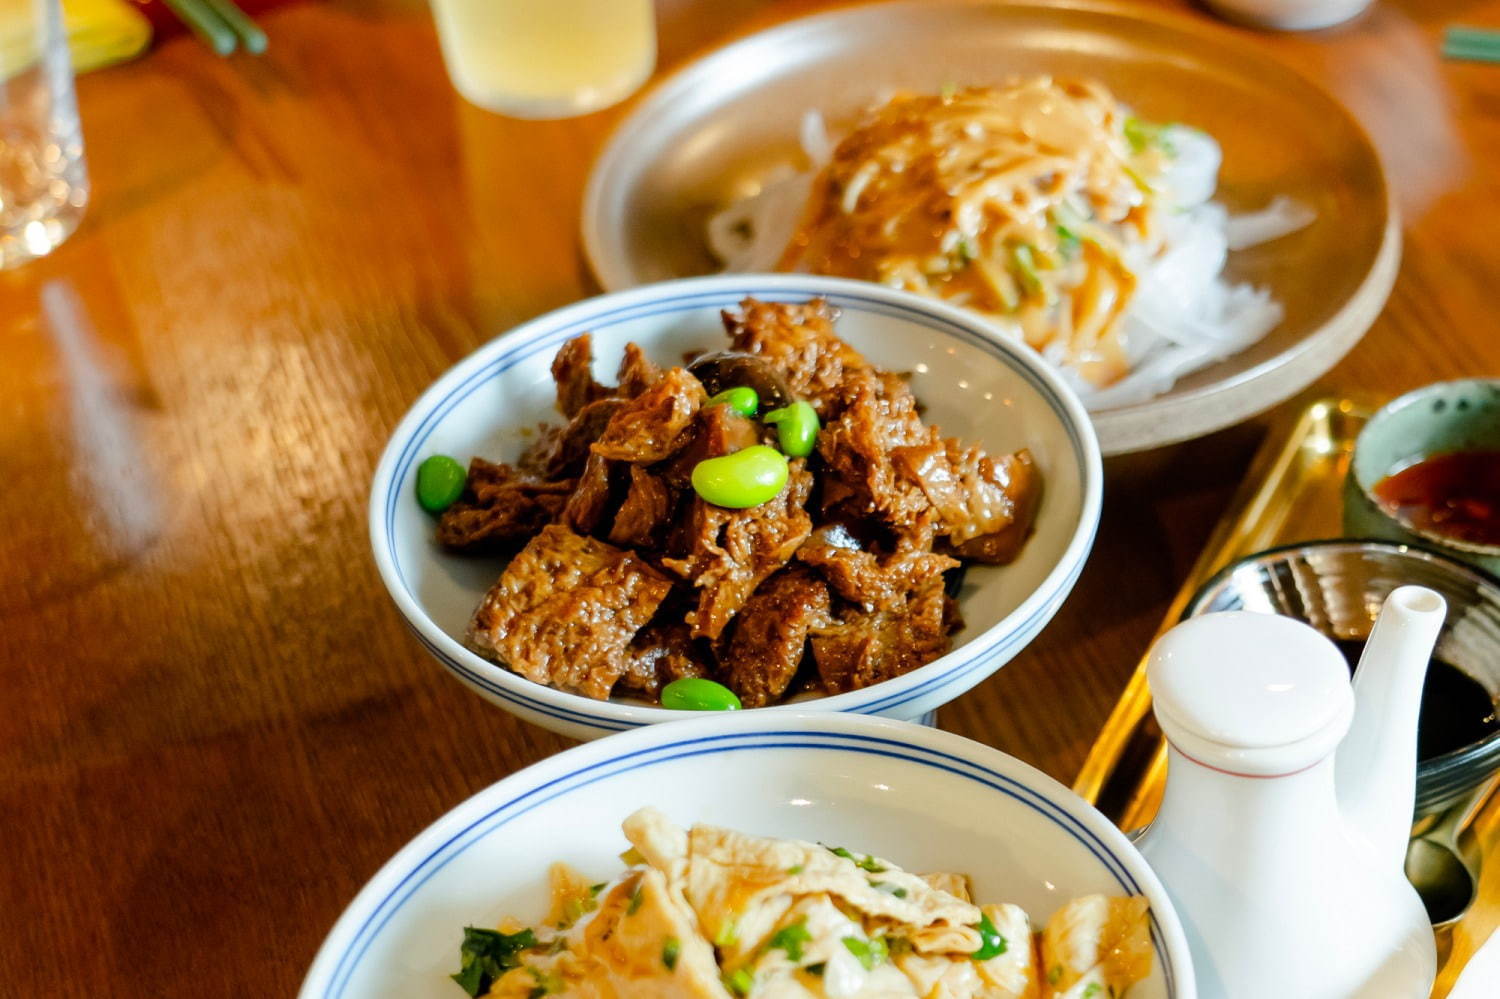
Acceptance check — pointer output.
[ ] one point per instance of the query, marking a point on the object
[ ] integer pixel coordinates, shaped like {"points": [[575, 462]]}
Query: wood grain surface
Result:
{"points": [[215, 726]]}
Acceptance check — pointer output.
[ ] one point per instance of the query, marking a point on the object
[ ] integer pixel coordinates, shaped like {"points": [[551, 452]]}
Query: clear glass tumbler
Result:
{"points": [[546, 58], [43, 179]]}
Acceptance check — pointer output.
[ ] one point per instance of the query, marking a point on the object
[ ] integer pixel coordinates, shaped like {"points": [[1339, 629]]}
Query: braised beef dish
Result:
{"points": [[623, 577]]}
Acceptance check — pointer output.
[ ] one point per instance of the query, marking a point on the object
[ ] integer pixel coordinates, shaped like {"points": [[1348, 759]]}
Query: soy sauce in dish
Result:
{"points": [[1456, 709], [1457, 495]]}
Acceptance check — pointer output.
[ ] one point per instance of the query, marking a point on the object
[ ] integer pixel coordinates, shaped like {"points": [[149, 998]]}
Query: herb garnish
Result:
{"points": [[488, 954], [791, 938], [738, 981], [867, 863], [1067, 241], [869, 953], [991, 943], [727, 935], [670, 949], [1091, 990], [634, 905], [816, 969], [1143, 135], [1026, 266], [574, 908], [546, 984], [889, 888]]}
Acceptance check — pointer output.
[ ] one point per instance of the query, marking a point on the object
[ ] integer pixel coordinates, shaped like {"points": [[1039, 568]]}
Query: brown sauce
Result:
{"points": [[1456, 709], [1456, 495]]}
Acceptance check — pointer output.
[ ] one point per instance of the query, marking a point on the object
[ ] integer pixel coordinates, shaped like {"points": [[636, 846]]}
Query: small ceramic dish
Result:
{"points": [[926, 799], [1444, 418], [1339, 586], [974, 385]]}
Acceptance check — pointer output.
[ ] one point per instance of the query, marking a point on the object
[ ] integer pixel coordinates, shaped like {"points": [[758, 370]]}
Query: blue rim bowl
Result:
{"points": [[435, 591]]}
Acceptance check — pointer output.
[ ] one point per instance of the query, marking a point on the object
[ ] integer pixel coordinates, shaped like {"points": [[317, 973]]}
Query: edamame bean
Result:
{"points": [[743, 479], [440, 482], [796, 428], [742, 399], [693, 693]]}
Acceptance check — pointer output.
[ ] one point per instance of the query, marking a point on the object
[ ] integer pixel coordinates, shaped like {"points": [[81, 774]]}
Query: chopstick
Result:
{"points": [[221, 24], [207, 25], [1471, 44], [250, 34]]}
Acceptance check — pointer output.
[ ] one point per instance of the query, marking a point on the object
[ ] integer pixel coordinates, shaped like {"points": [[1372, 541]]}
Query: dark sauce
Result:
{"points": [[1456, 709], [1456, 495]]}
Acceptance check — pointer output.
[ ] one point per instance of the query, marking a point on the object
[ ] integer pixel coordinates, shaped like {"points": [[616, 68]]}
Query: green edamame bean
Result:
{"points": [[693, 693], [796, 428], [440, 482], [742, 399], [743, 479]]}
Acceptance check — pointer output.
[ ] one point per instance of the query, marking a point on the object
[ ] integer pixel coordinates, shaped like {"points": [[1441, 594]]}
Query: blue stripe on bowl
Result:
{"points": [[503, 813], [604, 726], [971, 657]]}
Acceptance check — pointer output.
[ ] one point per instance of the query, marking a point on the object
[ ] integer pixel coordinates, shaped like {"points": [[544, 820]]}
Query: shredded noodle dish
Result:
{"points": [[1044, 204]]}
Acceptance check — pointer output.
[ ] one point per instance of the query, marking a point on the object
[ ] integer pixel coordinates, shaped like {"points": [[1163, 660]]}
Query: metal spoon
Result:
{"points": [[1442, 875]]}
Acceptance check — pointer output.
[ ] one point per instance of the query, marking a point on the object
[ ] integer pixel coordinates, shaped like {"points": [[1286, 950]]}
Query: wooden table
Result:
{"points": [[215, 726]]}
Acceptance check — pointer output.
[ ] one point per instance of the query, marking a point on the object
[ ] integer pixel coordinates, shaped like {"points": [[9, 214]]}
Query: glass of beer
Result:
{"points": [[546, 58]]}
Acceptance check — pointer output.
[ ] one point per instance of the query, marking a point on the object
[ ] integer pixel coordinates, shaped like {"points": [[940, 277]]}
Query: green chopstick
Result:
{"points": [[250, 34], [1470, 53], [207, 25], [1472, 44]]}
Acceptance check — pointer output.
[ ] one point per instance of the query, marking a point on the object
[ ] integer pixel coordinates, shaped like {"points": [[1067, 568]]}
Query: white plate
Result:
{"points": [[925, 799], [975, 387], [711, 132]]}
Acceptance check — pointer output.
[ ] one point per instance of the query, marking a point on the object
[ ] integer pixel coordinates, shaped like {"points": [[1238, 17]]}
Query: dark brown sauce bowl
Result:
{"points": [[1338, 587], [1444, 418]]}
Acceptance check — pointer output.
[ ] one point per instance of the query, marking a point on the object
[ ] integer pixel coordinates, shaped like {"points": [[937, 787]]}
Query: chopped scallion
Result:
{"points": [[869, 953], [991, 943], [791, 939]]}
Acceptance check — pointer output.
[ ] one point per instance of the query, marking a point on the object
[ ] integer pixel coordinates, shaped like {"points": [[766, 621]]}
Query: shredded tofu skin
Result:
{"points": [[1043, 204], [710, 913]]}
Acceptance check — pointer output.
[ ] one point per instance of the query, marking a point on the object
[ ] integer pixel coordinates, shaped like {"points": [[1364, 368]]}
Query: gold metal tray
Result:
{"points": [[1292, 492]]}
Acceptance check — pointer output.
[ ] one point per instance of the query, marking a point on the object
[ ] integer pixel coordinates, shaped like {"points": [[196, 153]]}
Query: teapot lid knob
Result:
{"points": [[1250, 693]]}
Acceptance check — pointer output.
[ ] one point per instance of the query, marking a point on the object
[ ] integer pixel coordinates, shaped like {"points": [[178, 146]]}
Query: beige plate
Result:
{"points": [[710, 132]]}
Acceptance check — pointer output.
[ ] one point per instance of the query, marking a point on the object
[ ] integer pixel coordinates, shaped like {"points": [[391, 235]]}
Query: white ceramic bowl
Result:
{"points": [[926, 799], [975, 386]]}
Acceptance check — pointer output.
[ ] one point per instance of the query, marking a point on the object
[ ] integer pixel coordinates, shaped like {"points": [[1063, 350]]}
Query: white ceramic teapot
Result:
{"points": [[1284, 858]]}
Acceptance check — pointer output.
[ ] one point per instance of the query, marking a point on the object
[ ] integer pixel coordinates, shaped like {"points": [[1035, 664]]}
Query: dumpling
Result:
{"points": [[640, 943], [741, 887]]}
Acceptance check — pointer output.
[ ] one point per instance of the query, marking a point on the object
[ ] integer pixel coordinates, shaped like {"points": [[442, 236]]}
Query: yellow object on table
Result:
{"points": [[100, 33]]}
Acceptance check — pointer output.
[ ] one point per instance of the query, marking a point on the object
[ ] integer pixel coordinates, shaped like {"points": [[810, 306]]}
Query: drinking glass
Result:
{"points": [[43, 179], [546, 58]]}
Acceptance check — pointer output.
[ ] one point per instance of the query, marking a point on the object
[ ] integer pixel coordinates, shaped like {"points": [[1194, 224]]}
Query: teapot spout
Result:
{"points": [[1376, 767]]}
